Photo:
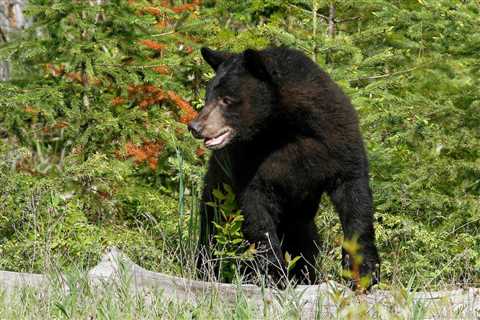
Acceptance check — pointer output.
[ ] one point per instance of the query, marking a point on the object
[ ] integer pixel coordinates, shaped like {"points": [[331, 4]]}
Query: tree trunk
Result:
{"points": [[314, 31], [332, 11], [331, 29], [11, 20]]}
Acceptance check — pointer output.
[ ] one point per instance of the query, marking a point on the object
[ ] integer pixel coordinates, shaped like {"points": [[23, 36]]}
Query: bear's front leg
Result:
{"points": [[260, 228]]}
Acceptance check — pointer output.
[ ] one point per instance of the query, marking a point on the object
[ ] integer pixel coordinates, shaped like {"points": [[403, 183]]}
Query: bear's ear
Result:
{"points": [[214, 58], [255, 64]]}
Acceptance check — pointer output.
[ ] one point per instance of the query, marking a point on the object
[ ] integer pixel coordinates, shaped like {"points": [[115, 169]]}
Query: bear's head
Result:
{"points": [[239, 100]]}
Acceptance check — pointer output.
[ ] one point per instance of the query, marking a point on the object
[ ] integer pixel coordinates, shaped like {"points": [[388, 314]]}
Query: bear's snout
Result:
{"points": [[195, 128]]}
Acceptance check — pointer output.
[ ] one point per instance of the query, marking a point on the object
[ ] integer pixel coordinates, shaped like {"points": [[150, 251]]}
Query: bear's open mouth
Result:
{"points": [[220, 140]]}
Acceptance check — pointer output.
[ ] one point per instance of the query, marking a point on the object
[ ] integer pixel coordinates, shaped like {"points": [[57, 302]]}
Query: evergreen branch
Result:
{"points": [[130, 67], [386, 75]]}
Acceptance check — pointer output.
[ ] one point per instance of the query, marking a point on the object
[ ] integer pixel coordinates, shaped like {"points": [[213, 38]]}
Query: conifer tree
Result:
{"points": [[96, 111]]}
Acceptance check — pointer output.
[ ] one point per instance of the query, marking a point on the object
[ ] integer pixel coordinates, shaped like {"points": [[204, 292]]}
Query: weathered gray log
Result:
{"points": [[13, 280], [114, 265]]}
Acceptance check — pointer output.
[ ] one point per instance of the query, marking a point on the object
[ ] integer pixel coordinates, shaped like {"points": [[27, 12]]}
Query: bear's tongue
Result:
{"points": [[210, 142]]}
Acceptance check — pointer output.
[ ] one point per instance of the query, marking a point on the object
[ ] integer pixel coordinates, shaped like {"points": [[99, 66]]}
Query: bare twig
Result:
{"points": [[347, 19], [308, 11], [163, 34], [385, 75], [130, 67], [321, 16]]}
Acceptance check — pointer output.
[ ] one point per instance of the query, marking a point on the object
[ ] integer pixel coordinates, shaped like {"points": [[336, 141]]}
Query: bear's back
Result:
{"points": [[289, 65]]}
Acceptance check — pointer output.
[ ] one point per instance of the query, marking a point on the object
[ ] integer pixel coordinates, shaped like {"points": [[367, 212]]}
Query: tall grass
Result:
{"points": [[121, 299]]}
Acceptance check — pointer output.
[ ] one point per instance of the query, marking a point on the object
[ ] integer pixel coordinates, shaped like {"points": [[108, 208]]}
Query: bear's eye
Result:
{"points": [[227, 100]]}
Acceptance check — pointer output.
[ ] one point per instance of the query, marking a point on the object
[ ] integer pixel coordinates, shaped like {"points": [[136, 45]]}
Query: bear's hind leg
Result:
{"points": [[353, 201]]}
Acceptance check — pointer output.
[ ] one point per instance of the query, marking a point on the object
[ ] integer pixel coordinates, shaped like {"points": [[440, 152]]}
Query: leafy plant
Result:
{"points": [[230, 244]]}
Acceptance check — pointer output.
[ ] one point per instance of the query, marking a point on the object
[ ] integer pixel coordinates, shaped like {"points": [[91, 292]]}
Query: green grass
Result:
{"points": [[120, 300]]}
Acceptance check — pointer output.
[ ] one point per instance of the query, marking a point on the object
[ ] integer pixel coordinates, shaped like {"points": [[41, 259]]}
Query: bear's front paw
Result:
{"points": [[274, 269]]}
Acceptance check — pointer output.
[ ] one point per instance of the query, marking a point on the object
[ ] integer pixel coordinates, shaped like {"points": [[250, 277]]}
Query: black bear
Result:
{"points": [[282, 134]]}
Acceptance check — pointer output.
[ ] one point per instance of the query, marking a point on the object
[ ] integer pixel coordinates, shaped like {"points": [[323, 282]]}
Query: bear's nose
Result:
{"points": [[195, 128]]}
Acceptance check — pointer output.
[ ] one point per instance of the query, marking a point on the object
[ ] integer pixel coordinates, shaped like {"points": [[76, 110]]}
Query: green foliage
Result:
{"points": [[230, 244], [291, 262], [45, 227], [84, 143]]}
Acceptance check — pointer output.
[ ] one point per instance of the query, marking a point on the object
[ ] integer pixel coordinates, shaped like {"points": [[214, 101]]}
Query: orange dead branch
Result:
{"points": [[183, 8], [118, 101], [162, 70], [188, 112], [162, 23], [147, 94], [55, 71], [153, 45], [187, 7], [60, 125], [200, 152], [147, 152], [30, 109], [153, 11]]}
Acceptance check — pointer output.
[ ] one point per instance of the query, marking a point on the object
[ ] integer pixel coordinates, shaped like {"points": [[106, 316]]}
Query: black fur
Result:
{"points": [[296, 138]]}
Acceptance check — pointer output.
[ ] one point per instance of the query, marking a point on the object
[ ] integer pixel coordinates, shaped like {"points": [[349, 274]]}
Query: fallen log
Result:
{"points": [[325, 300]]}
